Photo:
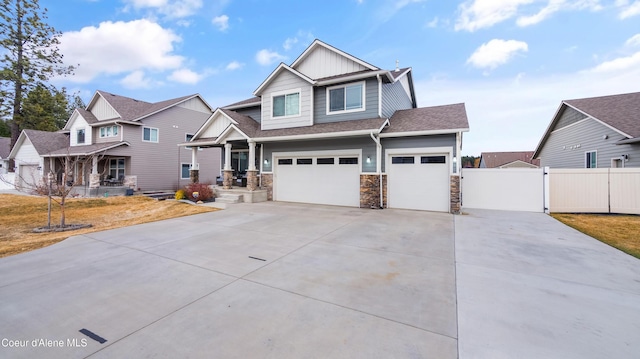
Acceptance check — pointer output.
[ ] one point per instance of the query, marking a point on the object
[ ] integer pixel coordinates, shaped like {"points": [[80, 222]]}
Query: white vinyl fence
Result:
{"points": [[583, 190], [7, 181]]}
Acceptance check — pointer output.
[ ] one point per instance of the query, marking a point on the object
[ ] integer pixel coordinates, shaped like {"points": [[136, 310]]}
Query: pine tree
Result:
{"points": [[30, 55]]}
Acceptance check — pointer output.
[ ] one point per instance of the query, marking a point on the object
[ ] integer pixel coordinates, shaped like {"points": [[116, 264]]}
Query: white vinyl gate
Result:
{"points": [[512, 189]]}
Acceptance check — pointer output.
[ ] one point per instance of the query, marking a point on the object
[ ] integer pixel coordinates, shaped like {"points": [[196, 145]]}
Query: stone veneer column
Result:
{"points": [[227, 179], [370, 191], [455, 195], [252, 180], [194, 176], [266, 180]]}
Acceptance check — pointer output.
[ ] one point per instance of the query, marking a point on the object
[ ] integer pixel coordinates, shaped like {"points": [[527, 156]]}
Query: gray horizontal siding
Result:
{"points": [[566, 147], [253, 112], [366, 144], [394, 98], [158, 165], [569, 116], [447, 140], [371, 104]]}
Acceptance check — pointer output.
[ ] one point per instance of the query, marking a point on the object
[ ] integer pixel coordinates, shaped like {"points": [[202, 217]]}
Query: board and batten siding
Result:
{"points": [[566, 146], [286, 81], [80, 123], [371, 104], [27, 154], [365, 144], [102, 110], [323, 62], [158, 165], [195, 104], [394, 98]]}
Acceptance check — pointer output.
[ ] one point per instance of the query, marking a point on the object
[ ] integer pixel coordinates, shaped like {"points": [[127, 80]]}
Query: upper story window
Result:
{"points": [[108, 131], [345, 98], [80, 135], [591, 159], [286, 103], [149, 134]]}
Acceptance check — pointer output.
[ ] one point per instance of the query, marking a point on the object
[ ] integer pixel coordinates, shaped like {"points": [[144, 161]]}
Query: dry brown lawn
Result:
{"points": [[619, 231], [19, 215]]}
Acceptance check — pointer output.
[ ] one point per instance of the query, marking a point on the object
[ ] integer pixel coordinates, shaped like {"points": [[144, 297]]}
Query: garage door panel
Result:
{"points": [[328, 180], [419, 181]]}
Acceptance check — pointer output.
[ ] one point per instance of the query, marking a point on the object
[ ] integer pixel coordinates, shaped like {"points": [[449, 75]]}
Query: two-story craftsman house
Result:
{"points": [[333, 129]]}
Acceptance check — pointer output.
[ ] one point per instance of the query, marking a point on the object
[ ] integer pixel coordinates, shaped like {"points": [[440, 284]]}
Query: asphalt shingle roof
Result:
{"points": [[131, 109], [446, 117], [85, 150], [497, 159], [5, 147], [619, 111], [47, 142]]}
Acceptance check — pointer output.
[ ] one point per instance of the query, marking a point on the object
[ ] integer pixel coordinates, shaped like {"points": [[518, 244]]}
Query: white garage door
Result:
{"points": [[28, 176], [324, 179], [418, 181]]}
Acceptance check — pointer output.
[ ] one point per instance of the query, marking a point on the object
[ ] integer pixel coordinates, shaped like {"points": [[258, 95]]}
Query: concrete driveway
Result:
{"points": [[276, 280]]}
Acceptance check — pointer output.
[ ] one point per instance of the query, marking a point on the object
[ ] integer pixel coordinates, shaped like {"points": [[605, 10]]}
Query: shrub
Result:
{"points": [[204, 190], [180, 195]]}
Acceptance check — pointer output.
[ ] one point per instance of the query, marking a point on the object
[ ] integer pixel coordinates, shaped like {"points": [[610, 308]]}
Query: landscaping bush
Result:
{"points": [[180, 195], [205, 192]]}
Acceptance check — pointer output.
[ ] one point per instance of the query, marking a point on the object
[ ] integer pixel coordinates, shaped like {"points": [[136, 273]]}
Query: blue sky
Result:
{"points": [[510, 61]]}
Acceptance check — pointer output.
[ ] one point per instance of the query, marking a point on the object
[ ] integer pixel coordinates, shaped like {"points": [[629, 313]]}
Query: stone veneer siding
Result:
{"points": [[370, 191], [194, 176], [252, 180], [227, 179], [266, 182], [455, 195]]}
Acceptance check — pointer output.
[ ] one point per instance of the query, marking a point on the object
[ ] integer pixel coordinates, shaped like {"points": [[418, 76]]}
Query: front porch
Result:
{"points": [[239, 194]]}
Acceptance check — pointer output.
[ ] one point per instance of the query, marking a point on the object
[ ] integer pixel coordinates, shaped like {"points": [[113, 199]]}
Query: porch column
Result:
{"points": [[194, 172], [252, 172], [227, 172], [94, 177]]}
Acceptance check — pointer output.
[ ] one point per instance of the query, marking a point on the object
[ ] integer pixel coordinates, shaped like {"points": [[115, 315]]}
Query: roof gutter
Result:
{"points": [[378, 164], [628, 141], [314, 136], [354, 77], [423, 133]]}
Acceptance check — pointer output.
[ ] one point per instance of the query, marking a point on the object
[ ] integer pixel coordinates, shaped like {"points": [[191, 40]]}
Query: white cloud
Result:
{"points": [[111, 49], [234, 65], [433, 23], [170, 8], [304, 37], [185, 76], [631, 62], [222, 22], [136, 80], [289, 42], [265, 57], [496, 52], [478, 14], [633, 41], [627, 10]]}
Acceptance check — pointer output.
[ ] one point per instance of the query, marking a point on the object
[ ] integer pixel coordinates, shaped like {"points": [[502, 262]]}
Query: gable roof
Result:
{"points": [[317, 43], [620, 112], [428, 120], [5, 147], [87, 150], [497, 159], [250, 102], [43, 142], [276, 72], [131, 109]]}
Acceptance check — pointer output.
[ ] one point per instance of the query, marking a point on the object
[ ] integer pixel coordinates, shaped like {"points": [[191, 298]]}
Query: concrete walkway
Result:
{"points": [[276, 280]]}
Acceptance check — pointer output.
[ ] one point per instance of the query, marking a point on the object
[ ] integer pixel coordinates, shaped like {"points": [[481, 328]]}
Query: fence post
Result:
{"points": [[545, 188]]}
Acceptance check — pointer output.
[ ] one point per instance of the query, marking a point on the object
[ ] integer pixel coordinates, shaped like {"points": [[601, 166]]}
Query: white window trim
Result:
{"points": [[186, 140], [287, 92], [84, 142], [105, 127], [152, 128], [585, 158], [181, 165], [364, 98]]}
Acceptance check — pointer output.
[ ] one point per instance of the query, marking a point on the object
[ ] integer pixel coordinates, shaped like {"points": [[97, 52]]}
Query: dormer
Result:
{"points": [[80, 133]]}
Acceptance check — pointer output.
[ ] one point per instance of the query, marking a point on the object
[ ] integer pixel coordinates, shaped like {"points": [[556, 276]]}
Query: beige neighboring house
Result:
{"points": [[521, 159], [5, 149], [119, 141]]}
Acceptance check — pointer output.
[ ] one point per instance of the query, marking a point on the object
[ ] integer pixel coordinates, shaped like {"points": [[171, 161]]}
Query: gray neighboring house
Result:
{"points": [[120, 141], [596, 132], [5, 149], [333, 129], [514, 159]]}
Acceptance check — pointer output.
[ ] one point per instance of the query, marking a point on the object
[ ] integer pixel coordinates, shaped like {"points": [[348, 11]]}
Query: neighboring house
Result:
{"points": [[593, 132], [29, 155], [5, 149], [333, 129], [522, 159], [121, 141]]}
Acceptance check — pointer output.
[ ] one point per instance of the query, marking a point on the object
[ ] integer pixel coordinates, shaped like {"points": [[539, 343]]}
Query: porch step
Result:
{"points": [[229, 198]]}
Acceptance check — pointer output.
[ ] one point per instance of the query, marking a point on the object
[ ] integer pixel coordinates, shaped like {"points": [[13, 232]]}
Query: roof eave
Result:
{"points": [[359, 76], [424, 133], [324, 135], [282, 66]]}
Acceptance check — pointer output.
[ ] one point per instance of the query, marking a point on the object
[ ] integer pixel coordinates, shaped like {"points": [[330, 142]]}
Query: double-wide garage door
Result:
{"points": [[320, 179], [418, 181]]}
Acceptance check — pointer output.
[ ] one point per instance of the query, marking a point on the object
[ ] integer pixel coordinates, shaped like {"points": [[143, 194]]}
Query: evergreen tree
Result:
{"points": [[45, 109], [30, 55]]}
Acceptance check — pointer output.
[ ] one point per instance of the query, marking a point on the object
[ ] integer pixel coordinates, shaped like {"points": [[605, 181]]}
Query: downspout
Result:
{"points": [[379, 96], [378, 164]]}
